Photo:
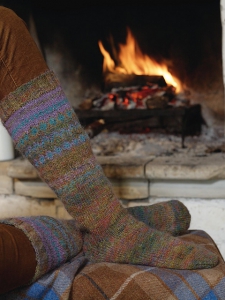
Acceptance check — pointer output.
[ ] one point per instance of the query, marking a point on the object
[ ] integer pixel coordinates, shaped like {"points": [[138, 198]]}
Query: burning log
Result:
{"points": [[157, 102], [115, 80], [150, 95], [129, 59]]}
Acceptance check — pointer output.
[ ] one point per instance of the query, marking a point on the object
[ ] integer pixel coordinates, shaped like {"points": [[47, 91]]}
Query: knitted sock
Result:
{"points": [[54, 241], [46, 130], [171, 216]]}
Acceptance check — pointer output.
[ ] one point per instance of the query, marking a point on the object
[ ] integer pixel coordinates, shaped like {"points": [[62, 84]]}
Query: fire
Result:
{"points": [[133, 61]]}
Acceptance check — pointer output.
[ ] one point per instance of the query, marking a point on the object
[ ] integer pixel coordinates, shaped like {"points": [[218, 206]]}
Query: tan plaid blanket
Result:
{"points": [[127, 282]]}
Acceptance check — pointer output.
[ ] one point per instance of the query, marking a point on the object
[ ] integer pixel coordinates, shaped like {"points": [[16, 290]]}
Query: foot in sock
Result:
{"points": [[46, 130], [127, 241], [170, 216]]}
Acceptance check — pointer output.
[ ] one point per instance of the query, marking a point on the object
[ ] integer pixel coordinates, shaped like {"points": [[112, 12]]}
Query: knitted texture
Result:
{"points": [[46, 130], [55, 242], [170, 216]]}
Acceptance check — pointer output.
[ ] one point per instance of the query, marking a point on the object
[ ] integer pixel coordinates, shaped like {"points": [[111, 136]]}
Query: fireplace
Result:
{"points": [[184, 36]]}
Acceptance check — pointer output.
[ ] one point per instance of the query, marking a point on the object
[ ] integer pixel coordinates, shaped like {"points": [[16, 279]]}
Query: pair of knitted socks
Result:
{"points": [[57, 241], [46, 130]]}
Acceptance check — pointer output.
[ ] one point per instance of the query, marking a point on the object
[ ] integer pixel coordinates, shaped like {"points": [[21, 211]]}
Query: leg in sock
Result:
{"points": [[53, 241], [32, 246], [46, 130], [171, 216]]}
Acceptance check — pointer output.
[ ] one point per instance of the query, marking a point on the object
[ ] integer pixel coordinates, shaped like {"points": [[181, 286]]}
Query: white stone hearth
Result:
{"points": [[133, 177]]}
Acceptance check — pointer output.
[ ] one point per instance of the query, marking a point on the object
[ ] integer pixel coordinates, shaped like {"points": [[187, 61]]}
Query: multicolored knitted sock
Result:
{"points": [[54, 241], [170, 216], [46, 130]]}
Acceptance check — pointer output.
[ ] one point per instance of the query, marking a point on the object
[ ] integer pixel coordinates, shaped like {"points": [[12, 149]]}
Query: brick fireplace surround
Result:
{"points": [[198, 183]]}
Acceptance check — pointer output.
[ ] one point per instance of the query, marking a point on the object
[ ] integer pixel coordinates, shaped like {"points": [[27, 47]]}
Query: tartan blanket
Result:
{"points": [[80, 280]]}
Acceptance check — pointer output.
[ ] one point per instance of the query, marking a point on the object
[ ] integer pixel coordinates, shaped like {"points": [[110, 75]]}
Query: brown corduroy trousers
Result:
{"points": [[20, 61]]}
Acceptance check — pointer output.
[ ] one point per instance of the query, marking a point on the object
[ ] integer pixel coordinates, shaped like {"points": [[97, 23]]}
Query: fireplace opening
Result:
{"points": [[185, 37]]}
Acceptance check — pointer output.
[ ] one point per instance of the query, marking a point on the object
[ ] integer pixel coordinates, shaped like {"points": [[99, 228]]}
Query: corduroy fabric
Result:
{"points": [[54, 241], [46, 130], [17, 258], [20, 58]]}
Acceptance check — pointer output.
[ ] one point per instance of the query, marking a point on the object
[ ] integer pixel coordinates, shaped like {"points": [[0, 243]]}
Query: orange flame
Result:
{"points": [[133, 61]]}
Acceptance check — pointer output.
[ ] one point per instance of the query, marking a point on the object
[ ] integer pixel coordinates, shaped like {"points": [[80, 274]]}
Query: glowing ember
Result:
{"points": [[145, 97], [133, 61]]}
